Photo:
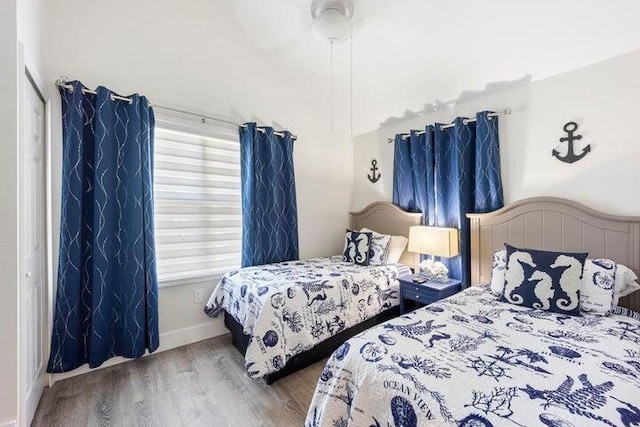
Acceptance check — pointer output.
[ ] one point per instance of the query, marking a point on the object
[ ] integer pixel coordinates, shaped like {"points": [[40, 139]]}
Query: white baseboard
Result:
{"points": [[168, 340], [189, 335]]}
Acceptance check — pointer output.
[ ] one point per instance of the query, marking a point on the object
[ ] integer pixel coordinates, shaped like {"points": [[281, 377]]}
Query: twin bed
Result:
{"points": [[286, 316], [471, 359]]}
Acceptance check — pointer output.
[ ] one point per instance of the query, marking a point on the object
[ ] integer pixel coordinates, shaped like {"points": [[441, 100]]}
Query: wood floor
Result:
{"points": [[202, 384]]}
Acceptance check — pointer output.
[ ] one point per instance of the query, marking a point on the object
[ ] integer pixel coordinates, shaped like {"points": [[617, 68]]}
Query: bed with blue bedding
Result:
{"points": [[280, 311], [473, 360]]}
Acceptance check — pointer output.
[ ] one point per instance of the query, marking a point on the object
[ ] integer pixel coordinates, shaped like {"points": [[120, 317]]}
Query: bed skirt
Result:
{"points": [[322, 350]]}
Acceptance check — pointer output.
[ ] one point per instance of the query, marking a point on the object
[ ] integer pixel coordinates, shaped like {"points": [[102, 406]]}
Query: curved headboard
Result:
{"points": [[387, 218], [555, 224]]}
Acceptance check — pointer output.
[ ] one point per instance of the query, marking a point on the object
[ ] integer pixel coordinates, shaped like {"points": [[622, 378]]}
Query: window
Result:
{"points": [[198, 222]]}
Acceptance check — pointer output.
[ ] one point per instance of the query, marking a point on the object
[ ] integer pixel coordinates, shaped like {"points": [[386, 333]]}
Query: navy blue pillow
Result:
{"points": [[544, 280], [357, 246]]}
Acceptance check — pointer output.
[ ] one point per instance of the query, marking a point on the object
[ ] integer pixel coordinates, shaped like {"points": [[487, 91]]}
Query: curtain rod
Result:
{"points": [[216, 119], [63, 84], [505, 112]]}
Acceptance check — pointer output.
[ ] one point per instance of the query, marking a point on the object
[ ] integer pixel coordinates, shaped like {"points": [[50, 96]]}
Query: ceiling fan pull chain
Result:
{"points": [[351, 86], [331, 88], [332, 23]]}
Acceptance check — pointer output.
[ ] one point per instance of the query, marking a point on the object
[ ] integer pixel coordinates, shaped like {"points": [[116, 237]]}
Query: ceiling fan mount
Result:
{"points": [[345, 7], [332, 20]]}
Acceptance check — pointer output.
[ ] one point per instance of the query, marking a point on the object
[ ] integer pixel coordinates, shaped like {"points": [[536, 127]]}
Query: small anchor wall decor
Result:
{"points": [[571, 156], [374, 168]]}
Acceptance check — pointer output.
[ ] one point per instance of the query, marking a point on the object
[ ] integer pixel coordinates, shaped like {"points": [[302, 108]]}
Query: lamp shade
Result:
{"points": [[436, 241]]}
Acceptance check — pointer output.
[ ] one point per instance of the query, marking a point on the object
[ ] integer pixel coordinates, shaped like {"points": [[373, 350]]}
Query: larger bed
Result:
{"points": [[287, 315], [473, 360]]}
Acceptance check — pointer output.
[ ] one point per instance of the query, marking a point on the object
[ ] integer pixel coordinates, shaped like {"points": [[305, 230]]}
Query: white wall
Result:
{"points": [[195, 56], [31, 23], [602, 98], [8, 212]]}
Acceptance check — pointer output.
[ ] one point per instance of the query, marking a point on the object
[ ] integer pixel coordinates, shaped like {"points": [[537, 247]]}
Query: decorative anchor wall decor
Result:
{"points": [[571, 156], [374, 168]]}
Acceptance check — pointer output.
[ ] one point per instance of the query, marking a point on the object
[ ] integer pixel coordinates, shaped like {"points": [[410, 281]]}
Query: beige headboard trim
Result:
{"points": [[387, 218], [555, 224]]}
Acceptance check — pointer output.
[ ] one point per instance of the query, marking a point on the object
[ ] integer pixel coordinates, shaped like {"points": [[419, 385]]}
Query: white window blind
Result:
{"points": [[198, 222]]}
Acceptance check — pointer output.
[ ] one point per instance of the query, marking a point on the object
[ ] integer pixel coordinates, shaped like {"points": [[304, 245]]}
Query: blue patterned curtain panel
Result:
{"points": [[412, 169], [107, 298], [447, 173], [269, 210]]}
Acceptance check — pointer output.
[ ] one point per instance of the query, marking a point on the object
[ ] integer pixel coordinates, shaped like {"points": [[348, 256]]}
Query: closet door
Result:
{"points": [[33, 250]]}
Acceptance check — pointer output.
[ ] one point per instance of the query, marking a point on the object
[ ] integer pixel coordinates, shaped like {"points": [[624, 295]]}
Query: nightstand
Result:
{"points": [[427, 292]]}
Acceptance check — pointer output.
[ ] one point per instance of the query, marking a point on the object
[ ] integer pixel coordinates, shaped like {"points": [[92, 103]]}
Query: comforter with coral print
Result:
{"points": [[289, 307], [471, 360]]}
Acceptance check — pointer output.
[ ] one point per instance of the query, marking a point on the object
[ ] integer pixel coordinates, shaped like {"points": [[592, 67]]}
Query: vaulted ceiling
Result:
{"points": [[408, 53]]}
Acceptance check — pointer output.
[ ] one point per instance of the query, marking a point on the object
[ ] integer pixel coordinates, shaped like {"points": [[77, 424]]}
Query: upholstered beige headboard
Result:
{"points": [[387, 218], [555, 224]]}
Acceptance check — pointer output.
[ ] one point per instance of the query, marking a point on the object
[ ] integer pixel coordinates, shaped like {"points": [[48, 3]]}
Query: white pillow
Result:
{"points": [[379, 249], [597, 288], [625, 282], [396, 248], [498, 274]]}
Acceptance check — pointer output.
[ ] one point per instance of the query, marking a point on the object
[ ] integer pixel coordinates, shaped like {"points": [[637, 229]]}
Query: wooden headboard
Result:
{"points": [[555, 224], [387, 218]]}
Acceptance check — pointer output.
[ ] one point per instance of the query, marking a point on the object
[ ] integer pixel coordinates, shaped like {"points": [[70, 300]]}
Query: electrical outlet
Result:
{"points": [[197, 296]]}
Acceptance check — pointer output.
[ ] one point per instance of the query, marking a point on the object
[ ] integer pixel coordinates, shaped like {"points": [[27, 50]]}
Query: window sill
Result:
{"points": [[193, 280]]}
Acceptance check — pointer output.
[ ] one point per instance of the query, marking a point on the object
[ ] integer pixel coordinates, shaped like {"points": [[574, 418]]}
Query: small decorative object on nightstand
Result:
{"points": [[425, 292], [434, 241]]}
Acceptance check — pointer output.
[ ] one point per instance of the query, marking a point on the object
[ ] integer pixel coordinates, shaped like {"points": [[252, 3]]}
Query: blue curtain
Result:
{"points": [[269, 210], [447, 173], [106, 302]]}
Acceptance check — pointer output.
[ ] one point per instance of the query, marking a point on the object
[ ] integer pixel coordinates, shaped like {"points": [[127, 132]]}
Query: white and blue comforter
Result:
{"points": [[289, 307], [471, 360]]}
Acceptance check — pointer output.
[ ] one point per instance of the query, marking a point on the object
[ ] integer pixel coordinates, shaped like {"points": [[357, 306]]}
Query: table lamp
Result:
{"points": [[434, 241]]}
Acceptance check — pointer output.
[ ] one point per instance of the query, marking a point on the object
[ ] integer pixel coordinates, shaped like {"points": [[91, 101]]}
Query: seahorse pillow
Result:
{"points": [[544, 280], [597, 294], [356, 247], [379, 249]]}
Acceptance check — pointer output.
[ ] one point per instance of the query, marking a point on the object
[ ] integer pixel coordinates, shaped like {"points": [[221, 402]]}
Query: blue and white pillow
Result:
{"points": [[356, 247], [498, 272], [379, 249], [597, 294], [625, 282], [544, 280]]}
